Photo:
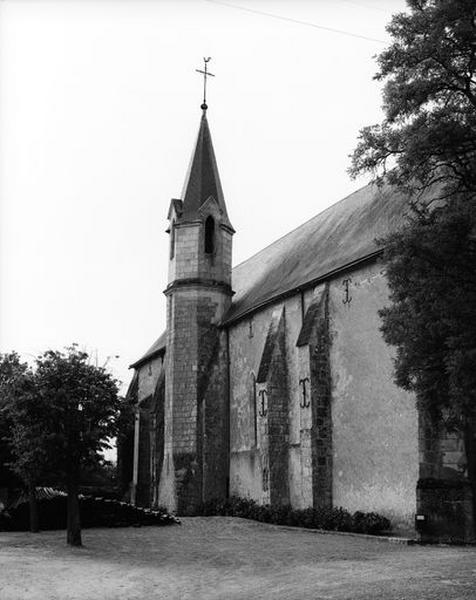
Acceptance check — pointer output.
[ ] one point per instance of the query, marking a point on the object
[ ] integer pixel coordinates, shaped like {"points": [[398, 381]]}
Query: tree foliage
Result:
{"points": [[428, 135], [62, 414], [432, 316], [14, 377], [25, 429], [83, 406], [428, 138]]}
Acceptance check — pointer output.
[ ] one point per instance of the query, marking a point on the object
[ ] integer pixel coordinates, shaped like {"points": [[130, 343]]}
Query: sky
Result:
{"points": [[99, 111]]}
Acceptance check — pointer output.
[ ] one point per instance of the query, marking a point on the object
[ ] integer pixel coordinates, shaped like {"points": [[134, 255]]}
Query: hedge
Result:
{"points": [[331, 519], [95, 512]]}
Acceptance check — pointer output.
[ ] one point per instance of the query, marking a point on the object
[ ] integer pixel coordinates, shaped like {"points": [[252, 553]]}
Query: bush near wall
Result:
{"points": [[331, 519], [95, 512]]}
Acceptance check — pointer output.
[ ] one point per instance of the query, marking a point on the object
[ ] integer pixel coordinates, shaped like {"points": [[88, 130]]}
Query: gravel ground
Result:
{"points": [[224, 558]]}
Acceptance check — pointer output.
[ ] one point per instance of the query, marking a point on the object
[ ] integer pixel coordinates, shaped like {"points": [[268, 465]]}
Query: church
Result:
{"points": [[272, 380]]}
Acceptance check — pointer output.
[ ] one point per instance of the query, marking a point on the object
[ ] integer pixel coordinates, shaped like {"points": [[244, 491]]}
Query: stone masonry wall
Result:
{"points": [[195, 416], [190, 261], [157, 440], [213, 400], [143, 476], [321, 406], [184, 364], [247, 454], [148, 375], [167, 494], [278, 420], [375, 423], [195, 342], [444, 491], [368, 459]]}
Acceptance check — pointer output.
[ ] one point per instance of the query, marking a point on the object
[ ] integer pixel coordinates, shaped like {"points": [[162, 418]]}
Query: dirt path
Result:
{"points": [[224, 558]]}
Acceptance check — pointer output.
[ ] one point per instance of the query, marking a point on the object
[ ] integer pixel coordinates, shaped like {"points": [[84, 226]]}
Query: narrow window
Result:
{"points": [[250, 328], [172, 240], [209, 235]]}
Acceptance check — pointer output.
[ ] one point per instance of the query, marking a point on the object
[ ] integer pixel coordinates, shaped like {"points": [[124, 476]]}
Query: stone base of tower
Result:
{"points": [[190, 478], [214, 423], [188, 483], [180, 487], [167, 493]]}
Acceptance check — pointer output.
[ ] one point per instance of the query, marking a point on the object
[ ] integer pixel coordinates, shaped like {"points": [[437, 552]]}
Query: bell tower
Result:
{"points": [[195, 466]]}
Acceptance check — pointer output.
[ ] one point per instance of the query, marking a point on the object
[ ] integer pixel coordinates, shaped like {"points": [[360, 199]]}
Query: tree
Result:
{"points": [[426, 145], [23, 427], [63, 424], [8, 365], [429, 130], [83, 406], [432, 316]]}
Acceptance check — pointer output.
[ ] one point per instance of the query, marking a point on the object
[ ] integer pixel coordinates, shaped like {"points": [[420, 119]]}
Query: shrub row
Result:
{"points": [[332, 519], [95, 512]]}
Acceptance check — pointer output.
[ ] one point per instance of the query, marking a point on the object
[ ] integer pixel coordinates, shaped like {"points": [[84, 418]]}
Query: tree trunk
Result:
{"points": [[33, 504], [73, 523]]}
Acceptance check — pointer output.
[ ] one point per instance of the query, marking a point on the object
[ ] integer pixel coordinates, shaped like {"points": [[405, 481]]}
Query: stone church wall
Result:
{"points": [[247, 342], [375, 424], [148, 375], [149, 451], [352, 438]]}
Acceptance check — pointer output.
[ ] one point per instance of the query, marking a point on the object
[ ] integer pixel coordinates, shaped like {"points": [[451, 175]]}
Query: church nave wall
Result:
{"points": [[150, 431], [351, 435], [252, 460], [375, 424]]}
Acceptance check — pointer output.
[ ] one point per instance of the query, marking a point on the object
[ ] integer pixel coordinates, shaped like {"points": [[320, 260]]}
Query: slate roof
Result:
{"points": [[336, 238], [202, 180], [157, 348]]}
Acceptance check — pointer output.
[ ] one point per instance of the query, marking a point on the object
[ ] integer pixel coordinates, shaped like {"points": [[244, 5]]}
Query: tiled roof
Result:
{"points": [[337, 237]]}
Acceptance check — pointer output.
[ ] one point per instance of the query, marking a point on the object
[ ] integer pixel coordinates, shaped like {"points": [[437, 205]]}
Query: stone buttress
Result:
{"points": [[195, 466], [272, 390], [315, 384]]}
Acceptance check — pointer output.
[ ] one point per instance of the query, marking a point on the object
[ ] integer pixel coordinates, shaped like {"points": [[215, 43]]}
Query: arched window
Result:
{"points": [[209, 235], [172, 239]]}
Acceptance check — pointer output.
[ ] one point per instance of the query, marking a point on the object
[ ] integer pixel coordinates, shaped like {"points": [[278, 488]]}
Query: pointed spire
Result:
{"points": [[202, 180]]}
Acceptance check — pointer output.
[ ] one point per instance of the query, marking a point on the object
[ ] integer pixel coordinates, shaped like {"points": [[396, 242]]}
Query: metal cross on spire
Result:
{"points": [[205, 74]]}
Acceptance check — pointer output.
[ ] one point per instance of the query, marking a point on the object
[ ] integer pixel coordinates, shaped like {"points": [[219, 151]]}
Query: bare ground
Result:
{"points": [[226, 558]]}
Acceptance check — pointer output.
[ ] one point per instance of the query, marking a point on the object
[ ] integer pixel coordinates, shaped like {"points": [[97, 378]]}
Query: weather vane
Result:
{"points": [[205, 74]]}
